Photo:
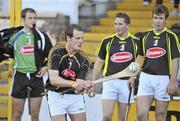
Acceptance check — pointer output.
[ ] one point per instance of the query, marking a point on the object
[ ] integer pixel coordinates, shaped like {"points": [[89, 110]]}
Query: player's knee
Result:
{"points": [[17, 115], [16, 118], [160, 115], [35, 115], [107, 118], [141, 116], [122, 119]]}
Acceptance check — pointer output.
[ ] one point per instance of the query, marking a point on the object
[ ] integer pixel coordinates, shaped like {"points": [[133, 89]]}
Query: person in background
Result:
{"points": [[158, 56], [116, 52], [67, 70], [147, 2], [176, 12]]}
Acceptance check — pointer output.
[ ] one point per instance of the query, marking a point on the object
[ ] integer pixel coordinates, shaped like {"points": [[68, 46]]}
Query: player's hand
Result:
{"points": [[78, 85], [89, 87], [91, 92], [42, 71], [88, 84], [171, 88], [131, 82]]}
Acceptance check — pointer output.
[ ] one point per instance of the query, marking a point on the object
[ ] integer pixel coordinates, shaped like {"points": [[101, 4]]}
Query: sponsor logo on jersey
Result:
{"points": [[155, 52], [121, 57], [27, 49], [69, 73]]}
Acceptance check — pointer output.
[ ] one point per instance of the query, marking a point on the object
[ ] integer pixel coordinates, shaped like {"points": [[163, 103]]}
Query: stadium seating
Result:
{"points": [[5, 79], [140, 19]]}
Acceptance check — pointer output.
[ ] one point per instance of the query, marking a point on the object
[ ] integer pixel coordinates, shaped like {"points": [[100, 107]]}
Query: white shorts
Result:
{"points": [[66, 104], [117, 90], [155, 85]]}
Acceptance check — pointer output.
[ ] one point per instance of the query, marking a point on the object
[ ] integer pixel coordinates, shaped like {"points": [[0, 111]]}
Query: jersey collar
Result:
{"points": [[123, 38], [158, 33]]}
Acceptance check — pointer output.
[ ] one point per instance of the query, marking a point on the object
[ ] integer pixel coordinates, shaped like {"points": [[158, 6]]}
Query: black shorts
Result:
{"points": [[22, 82]]}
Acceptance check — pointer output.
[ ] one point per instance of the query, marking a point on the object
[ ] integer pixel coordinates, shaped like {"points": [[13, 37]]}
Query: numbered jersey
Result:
{"points": [[159, 49], [118, 53], [70, 67]]}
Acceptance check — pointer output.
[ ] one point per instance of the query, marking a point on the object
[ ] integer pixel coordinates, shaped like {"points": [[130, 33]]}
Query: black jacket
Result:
{"points": [[42, 45]]}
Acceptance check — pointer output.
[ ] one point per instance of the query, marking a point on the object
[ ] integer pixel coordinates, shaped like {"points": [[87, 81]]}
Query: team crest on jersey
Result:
{"points": [[155, 52], [27, 49], [69, 73], [121, 57]]}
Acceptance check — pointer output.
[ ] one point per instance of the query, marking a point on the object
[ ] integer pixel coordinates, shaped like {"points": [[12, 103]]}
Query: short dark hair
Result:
{"points": [[69, 30], [127, 19], [161, 9], [26, 10]]}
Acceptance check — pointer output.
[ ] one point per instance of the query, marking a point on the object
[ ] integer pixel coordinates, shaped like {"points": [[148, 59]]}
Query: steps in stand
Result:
{"points": [[141, 20], [94, 37], [3, 111], [136, 22], [110, 29], [136, 5]]}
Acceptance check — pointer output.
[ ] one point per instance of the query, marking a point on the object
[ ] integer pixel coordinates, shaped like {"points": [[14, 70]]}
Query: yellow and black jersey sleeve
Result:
{"points": [[104, 47], [84, 65], [54, 57], [141, 43], [173, 44]]}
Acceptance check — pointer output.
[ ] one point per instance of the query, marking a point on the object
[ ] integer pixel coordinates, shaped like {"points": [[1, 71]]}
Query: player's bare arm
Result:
{"points": [[57, 81], [140, 60], [42, 71], [97, 68], [172, 84]]}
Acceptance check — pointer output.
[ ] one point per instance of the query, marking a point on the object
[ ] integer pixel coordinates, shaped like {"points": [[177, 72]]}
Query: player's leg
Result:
{"points": [[36, 93], [123, 99], [161, 96], [108, 109], [109, 97], [122, 111], [58, 118], [17, 108], [35, 108], [161, 110], [78, 117], [144, 96], [19, 94], [143, 106]]}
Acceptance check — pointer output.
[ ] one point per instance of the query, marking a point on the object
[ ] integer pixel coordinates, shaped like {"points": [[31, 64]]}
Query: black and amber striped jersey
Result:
{"points": [[118, 53], [159, 49], [70, 67]]}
